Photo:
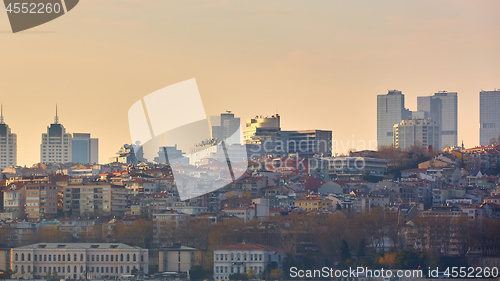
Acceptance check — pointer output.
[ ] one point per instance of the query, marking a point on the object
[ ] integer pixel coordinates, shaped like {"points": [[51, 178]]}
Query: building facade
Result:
{"points": [[442, 108], [225, 126], [390, 111], [422, 132], [94, 199], [56, 144], [489, 116], [78, 260], [84, 149], [8, 146], [307, 143], [14, 199], [41, 200], [240, 258]]}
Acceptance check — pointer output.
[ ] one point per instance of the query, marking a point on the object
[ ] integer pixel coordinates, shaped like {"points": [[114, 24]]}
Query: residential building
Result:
{"points": [[390, 111], [442, 108], [240, 258], [421, 132], [78, 260], [56, 144], [14, 200], [94, 199], [84, 149], [8, 145], [310, 203], [489, 116], [41, 200]]}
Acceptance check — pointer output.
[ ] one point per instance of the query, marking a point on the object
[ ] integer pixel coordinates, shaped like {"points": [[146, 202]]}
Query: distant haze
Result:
{"points": [[320, 64]]}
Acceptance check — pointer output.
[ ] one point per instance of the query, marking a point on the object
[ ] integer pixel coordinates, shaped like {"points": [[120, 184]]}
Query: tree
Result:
{"points": [[250, 273], [276, 274], [197, 272], [388, 260], [361, 249], [345, 253]]}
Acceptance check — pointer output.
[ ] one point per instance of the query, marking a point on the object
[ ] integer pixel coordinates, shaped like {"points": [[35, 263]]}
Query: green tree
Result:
{"points": [[197, 272]]}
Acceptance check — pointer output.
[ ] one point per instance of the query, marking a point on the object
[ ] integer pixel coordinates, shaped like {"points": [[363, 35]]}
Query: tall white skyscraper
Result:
{"points": [[8, 145], [489, 116], [390, 111], [442, 108], [56, 144], [84, 149]]}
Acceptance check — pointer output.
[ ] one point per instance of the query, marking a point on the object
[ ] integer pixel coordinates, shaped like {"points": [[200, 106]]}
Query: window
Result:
{"points": [[142, 258], [50, 257], [134, 258], [69, 257], [217, 258], [121, 269], [81, 257], [92, 257], [29, 258], [128, 269], [128, 259], [112, 257], [107, 257], [121, 259]]}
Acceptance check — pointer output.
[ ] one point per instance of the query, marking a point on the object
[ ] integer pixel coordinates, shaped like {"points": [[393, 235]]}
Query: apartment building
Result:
{"points": [[78, 260], [42, 200], [14, 199], [94, 199]]}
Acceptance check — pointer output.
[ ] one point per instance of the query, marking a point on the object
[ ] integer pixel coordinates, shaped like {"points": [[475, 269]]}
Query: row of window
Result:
{"points": [[75, 257], [60, 269], [238, 257], [223, 269]]}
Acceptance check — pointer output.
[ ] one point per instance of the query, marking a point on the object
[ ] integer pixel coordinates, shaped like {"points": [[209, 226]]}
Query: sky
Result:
{"points": [[320, 64]]}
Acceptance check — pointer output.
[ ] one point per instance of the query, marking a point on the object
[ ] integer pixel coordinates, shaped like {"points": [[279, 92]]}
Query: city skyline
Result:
{"points": [[324, 75]]}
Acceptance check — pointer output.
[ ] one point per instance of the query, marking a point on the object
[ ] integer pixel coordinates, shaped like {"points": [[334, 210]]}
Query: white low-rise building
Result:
{"points": [[240, 258], [78, 260]]}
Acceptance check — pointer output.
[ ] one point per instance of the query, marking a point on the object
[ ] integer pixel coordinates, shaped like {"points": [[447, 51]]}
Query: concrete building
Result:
{"points": [[225, 126], [78, 260], [170, 154], [259, 129], [307, 143], [489, 116], [390, 111], [8, 145], [14, 199], [442, 108], [41, 200], [240, 258], [56, 144], [422, 132], [84, 149], [178, 259], [94, 199]]}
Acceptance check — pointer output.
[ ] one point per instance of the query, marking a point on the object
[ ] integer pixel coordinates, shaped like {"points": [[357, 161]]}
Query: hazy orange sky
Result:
{"points": [[320, 64]]}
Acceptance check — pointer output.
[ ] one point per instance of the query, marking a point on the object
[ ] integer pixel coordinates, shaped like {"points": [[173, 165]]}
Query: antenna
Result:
{"points": [[56, 119], [1, 114]]}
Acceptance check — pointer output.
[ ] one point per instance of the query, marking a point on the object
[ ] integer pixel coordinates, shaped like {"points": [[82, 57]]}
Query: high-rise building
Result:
{"points": [[489, 116], [259, 129], [56, 144], [225, 126], [84, 149], [8, 145], [442, 108], [423, 132], [390, 111], [307, 143]]}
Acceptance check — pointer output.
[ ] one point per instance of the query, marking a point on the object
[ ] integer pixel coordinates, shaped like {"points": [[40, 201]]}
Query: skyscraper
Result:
{"points": [[56, 144], [442, 108], [84, 149], [8, 145], [224, 126], [260, 129], [390, 111], [489, 116]]}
